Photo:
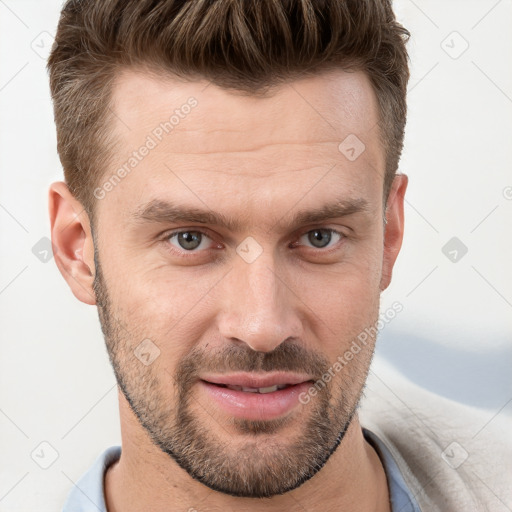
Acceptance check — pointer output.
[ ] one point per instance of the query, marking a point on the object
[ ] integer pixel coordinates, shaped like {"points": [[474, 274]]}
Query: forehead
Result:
{"points": [[329, 105], [195, 140]]}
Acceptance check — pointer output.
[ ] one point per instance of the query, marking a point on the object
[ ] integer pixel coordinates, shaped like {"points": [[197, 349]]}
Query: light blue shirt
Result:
{"points": [[401, 497], [88, 494]]}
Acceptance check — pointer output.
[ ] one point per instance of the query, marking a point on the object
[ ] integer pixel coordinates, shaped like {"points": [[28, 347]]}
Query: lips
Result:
{"points": [[256, 396]]}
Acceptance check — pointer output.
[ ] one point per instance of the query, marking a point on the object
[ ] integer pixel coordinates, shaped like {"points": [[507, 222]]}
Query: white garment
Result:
{"points": [[453, 458]]}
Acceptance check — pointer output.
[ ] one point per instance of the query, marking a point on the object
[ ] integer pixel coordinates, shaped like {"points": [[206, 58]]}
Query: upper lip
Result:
{"points": [[254, 380]]}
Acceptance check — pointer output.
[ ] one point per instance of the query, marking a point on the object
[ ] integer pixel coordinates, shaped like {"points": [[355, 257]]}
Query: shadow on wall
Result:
{"points": [[481, 379]]}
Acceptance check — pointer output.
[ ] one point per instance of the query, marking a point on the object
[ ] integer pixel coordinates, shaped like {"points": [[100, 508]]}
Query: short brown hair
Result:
{"points": [[245, 45]]}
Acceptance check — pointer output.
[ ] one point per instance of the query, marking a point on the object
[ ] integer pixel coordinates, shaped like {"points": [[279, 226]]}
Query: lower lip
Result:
{"points": [[255, 406]]}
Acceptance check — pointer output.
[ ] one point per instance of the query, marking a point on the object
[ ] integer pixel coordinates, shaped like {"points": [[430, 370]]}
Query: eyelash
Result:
{"points": [[190, 254]]}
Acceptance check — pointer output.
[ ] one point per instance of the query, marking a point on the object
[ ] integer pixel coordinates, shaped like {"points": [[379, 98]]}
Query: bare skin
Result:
{"points": [[258, 161]]}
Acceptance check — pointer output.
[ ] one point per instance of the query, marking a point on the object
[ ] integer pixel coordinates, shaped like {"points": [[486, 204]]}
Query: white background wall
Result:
{"points": [[453, 336]]}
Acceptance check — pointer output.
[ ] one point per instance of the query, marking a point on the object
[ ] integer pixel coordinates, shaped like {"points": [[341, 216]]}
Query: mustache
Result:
{"points": [[288, 356]]}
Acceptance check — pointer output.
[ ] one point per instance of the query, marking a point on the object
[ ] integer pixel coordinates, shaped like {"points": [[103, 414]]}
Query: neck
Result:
{"points": [[145, 478]]}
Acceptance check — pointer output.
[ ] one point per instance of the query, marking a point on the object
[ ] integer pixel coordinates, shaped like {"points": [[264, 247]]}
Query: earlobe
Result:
{"points": [[72, 237], [394, 230]]}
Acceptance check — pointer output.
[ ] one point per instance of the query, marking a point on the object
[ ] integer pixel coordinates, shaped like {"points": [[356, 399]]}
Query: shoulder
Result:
{"points": [[453, 457]]}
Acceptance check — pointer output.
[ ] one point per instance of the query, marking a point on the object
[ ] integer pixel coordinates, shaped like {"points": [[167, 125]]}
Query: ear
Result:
{"points": [[394, 229], [72, 237]]}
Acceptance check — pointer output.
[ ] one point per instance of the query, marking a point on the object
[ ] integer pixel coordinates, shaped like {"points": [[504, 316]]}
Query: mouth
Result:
{"points": [[256, 397]]}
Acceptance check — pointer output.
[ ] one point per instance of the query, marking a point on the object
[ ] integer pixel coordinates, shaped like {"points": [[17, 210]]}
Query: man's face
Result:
{"points": [[271, 293]]}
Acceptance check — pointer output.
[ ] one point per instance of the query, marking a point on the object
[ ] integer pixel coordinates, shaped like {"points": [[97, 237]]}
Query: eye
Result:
{"points": [[322, 237], [194, 241], [188, 240]]}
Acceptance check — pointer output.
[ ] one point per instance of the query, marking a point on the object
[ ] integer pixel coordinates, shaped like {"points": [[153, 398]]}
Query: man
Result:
{"points": [[232, 207]]}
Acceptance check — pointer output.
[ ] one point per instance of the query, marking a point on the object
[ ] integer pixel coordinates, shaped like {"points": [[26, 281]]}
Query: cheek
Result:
{"points": [[152, 292], [354, 278], [170, 307], [344, 301]]}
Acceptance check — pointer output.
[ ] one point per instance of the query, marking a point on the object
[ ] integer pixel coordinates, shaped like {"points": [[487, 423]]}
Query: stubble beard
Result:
{"points": [[259, 461]]}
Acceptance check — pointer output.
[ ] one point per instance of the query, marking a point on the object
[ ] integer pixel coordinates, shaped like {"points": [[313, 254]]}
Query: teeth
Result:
{"points": [[269, 389], [250, 390]]}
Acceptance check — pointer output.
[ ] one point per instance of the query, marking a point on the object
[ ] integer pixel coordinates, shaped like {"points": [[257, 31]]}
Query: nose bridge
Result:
{"points": [[258, 305]]}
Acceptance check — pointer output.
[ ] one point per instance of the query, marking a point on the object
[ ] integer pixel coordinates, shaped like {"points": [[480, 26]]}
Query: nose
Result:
{"points": [[259, 306]]}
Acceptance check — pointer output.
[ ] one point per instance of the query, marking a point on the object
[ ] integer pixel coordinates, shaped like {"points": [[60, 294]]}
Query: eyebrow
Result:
{"points": [[160, 211]]}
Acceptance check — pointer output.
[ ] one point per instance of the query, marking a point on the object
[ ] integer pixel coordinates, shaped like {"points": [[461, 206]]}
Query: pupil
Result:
{"points": [[189, 239], [320, 237]]}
